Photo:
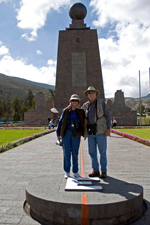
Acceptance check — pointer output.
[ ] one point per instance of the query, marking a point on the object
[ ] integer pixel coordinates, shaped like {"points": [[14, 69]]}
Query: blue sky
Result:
{"points": [[29, 32]]}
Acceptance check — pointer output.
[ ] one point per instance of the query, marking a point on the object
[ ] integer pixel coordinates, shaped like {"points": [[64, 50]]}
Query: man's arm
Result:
{"points": [[107, 115], [108, 120]]}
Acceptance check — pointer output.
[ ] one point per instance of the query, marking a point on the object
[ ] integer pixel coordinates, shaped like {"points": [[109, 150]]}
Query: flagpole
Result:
{"points": [[140, 95], [149, 80]]}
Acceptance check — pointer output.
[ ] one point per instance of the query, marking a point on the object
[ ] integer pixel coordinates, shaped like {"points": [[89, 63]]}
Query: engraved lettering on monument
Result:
{"points": [[79, 69]]}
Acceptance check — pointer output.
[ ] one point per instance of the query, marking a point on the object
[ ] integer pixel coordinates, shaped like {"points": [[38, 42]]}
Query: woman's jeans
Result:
{"points": [[70, 146], [99, 140]]}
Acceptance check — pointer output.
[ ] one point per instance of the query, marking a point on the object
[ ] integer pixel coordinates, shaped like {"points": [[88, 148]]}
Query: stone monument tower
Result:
{"points": [[78, 60]]}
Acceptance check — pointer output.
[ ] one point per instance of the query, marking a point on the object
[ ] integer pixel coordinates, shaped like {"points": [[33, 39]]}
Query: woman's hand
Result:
{"points": [[59, 138]]}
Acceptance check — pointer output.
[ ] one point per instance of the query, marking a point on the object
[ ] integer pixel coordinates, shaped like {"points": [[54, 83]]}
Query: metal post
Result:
{"points": [[149, 80], [140, 96]]}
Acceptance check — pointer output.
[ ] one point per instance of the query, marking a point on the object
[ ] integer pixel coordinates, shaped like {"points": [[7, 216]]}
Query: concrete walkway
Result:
{"points": [[128, 161]]}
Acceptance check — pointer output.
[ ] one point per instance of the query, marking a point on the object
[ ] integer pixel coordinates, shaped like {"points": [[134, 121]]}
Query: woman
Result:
{"points": [[70, 128]]}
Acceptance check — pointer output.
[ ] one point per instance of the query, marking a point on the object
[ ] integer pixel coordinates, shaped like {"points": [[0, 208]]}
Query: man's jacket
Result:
{"points": [[99, 117]]}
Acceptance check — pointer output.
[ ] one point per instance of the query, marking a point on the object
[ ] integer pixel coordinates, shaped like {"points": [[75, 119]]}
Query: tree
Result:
{"points": [[23, 110], [29, 99], [7, 109], [1, 105], [17, 109], [52, 93], [142, 108], [1, 110]]}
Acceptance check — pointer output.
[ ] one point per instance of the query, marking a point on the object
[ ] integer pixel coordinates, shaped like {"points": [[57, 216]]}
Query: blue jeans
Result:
{"points": [[70, 147], [99, 140]]}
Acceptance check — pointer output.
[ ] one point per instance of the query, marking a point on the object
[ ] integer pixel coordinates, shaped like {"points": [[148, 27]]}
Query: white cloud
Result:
{"points": [[19, 68], [3, 50], [32, 15], [4, 1], [129, 11], [125, 51], [38, 52]]}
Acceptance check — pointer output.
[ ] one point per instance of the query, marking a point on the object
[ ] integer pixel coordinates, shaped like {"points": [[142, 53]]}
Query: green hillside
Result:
{"points": [[13, 86]]}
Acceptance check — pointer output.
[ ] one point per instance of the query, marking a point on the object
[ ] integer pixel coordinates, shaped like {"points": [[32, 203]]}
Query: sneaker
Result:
{"points": [[94, 174], [67, 175], [77, 175], [103, 175]]}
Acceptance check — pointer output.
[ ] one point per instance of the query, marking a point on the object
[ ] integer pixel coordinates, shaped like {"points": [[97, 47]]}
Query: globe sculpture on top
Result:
{"points": [[77, 11]]}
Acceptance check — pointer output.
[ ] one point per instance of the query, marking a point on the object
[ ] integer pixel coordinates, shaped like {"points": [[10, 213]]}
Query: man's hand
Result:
{"points": [[69, 106], [107, 132]]}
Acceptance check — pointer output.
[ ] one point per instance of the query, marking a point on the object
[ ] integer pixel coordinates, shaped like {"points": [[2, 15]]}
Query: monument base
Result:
{"points": [[118, 203]]}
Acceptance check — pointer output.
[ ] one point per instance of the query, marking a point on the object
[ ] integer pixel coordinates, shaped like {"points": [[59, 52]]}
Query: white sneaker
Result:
{"points": [[77, 175], [67, 175]]}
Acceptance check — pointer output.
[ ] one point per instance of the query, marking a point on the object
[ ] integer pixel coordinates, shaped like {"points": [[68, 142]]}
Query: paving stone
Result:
{"points": [[128, 161]]}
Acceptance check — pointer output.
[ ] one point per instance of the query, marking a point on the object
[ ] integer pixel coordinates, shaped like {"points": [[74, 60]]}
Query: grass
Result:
{"points": [[11, 135], [143, 133]]}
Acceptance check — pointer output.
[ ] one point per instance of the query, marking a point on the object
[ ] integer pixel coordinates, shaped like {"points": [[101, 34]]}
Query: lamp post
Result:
{"points": [[140, 95], [149, 79]]}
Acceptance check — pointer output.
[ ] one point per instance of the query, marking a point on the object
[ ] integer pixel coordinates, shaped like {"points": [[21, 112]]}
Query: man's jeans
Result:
{"points": [[99, 140], [70, 145]]}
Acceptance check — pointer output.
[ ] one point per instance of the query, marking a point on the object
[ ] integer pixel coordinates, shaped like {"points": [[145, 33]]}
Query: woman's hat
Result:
{"points": [[90, 89], [74, 97]]}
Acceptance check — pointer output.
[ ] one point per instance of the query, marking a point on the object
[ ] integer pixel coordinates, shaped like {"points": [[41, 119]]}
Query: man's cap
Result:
{"points": [[91, 88]]}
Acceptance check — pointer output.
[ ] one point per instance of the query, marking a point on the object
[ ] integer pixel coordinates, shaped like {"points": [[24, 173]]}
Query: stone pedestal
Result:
{"points": [[48, 203]]}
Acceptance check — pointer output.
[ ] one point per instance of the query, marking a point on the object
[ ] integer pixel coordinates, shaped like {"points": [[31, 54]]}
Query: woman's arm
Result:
{"points": [[59, 126]]}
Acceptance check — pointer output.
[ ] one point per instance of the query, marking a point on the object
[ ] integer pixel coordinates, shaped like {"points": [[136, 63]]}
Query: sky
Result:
{"points": [[29, 32]]}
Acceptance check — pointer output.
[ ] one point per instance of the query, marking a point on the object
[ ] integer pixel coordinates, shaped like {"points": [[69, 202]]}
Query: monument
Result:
{"points": [[39, 115], [123, 114], [78, 60]]}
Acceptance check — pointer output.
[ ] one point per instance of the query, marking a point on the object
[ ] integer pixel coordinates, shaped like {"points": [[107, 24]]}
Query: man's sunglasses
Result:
{"points": [[91, 92]]}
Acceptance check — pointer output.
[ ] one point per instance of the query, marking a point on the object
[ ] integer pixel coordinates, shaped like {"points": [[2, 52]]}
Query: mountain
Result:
{"points": [[133, 103], [147, 96], [14, 86]]}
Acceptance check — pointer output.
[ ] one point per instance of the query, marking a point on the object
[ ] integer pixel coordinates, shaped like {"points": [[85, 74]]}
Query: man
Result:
{"points": [[114, 123], [98, 128]]}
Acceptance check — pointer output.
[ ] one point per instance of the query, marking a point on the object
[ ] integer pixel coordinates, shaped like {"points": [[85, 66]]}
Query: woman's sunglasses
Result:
{"points": [[74, 100]]}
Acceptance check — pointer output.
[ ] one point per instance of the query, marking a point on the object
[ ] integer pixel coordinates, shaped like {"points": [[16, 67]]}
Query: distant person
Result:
{"points": [[114, 123], [49, 119], [51, 124], [70, 128]]}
